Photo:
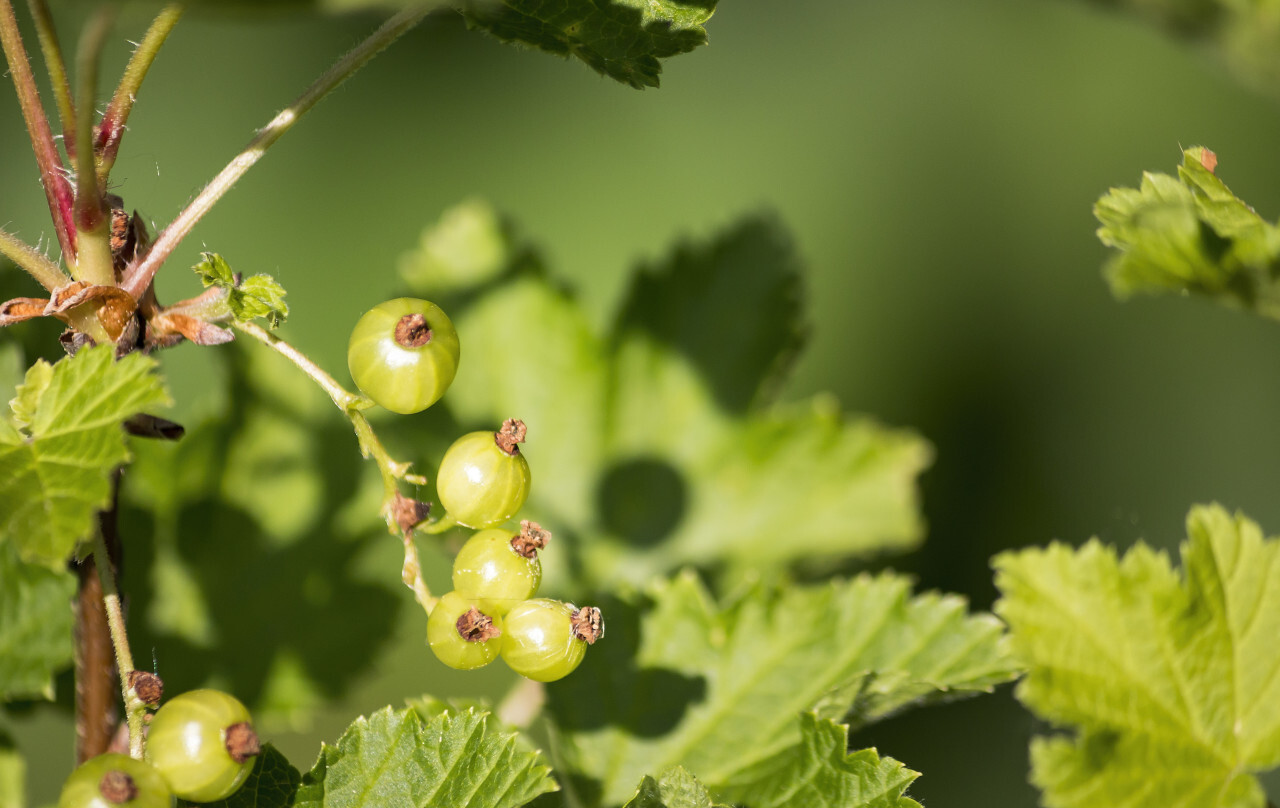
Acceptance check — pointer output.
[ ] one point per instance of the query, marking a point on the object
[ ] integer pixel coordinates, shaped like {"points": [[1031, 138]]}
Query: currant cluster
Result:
{"points": [[404, 354], [200, 747], [491, 611]]}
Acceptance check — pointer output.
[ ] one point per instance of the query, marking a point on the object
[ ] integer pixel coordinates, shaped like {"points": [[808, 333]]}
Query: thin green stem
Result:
{"points": [[32, 261], [57, 189], [140, 276], [57, 68], [93, 225], [392, 471], [134, 708], [111, 129]]}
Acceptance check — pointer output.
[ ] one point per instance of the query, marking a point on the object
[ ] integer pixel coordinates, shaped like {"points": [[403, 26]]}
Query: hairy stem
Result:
{"points": [[57, 189], [140, 276], [52, 50], [93, 227], [353, 406], [32, 261], [133, 706], [111, 130]]}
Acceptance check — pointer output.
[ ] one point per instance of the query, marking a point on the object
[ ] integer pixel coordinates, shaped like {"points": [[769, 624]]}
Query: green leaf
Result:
{"points": [[717, 688], [1190, 234], [821, 773], [248, 298], [55, 466], [466, 248], [1170, 680], [662, 452], [23, 406], [676, 789], [395, 758], [35, 626], [621, 39], [272, 784]]}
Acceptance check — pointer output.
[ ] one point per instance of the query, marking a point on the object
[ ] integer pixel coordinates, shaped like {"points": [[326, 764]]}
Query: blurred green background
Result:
{"points": [[936, 161]]}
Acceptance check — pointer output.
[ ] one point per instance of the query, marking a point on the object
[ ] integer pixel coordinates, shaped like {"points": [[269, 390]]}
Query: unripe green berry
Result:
{"points": [[545, 639], [203, 744], [483, 478], [403, 354], [500, 568], [115, 781], [464, 632]]}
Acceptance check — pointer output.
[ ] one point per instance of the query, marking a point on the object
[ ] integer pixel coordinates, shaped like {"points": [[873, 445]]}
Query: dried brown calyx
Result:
{"points": [[510, 435], [532, 538], [409, 512], [146, 686], [412, 331], [118, 787], [588, 624], [242, 742], [476, 626]]}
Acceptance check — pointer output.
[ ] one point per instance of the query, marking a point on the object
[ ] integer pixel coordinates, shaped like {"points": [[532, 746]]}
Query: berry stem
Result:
{"points": [[353, 406], [57, 189], [111, 130], [134, 708], [139, 277], [57, 67]]}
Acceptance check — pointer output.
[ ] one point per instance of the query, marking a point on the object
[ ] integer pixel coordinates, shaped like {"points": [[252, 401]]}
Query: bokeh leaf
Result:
{"points": [[57, 455], [820, 772], [680, 680], [1190, 234], [677, 788], [397, 758], [1170, 680], [13, 776], [35, 626], [664, 452]]}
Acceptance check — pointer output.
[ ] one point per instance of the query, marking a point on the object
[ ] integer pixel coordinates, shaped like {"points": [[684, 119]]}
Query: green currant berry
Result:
{"points": [[500, 568], [403, 354], [483, 478], [464, 632], [115, 781], [545, 640], [203, 743]]}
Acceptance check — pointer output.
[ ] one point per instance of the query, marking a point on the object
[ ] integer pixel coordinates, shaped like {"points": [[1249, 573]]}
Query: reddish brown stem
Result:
{"points": [[57, 189], [97, 690]]}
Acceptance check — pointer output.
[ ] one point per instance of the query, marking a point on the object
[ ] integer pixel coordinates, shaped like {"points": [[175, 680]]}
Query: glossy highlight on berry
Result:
{"points": [[501, 568], [403, 354], [544, 638]]}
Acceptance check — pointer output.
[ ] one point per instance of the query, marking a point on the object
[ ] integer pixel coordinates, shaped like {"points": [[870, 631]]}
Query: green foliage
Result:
{"points": [[469, 246], [35, 626], [680, 680], [60, 445], [1190, 234], [621, 39], [675, 789], [821, 773], [247, 298], [398, 758], [1169, 679], [661, 436], [13, 772]]}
